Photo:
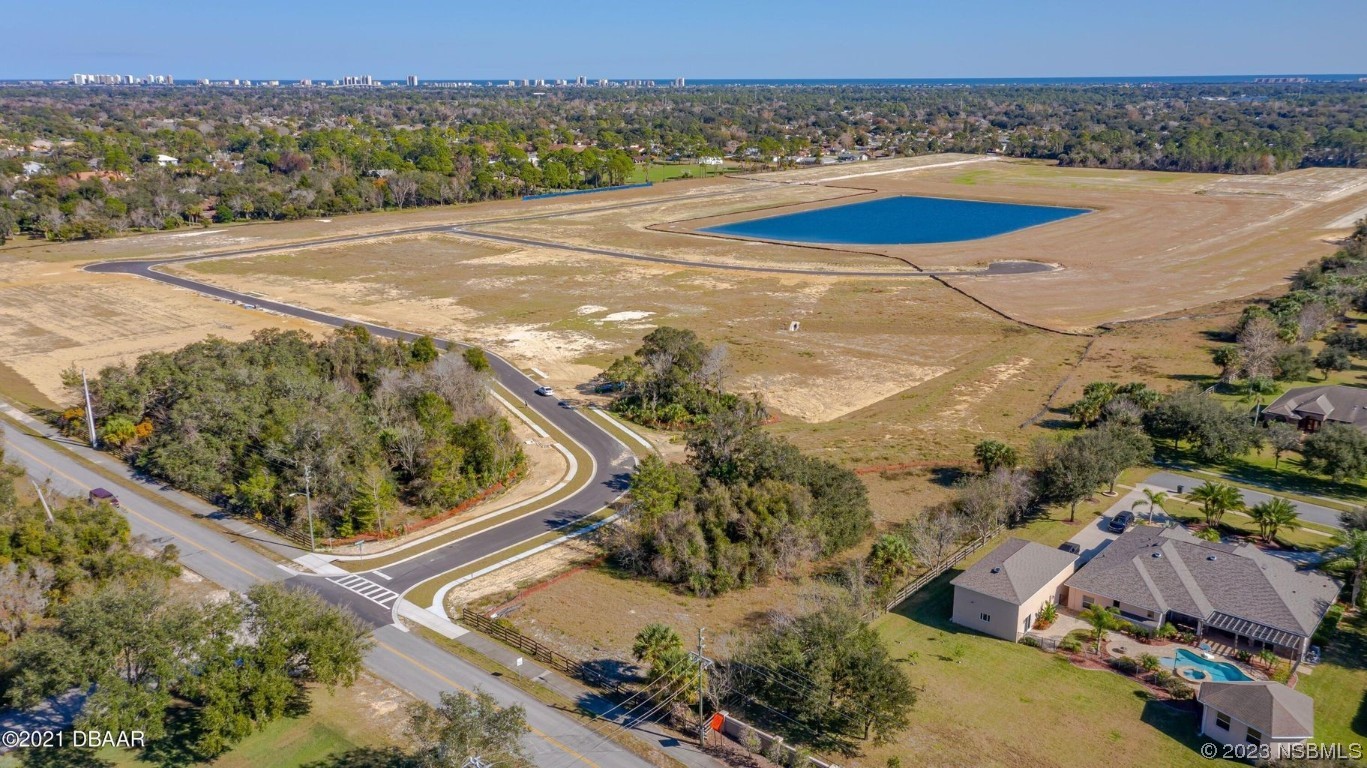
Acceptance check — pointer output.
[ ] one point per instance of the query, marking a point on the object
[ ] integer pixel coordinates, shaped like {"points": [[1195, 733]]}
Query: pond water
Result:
{"points": [[903, 220]]}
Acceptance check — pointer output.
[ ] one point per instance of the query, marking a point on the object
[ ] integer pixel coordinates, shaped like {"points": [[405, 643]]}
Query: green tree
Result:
{"points": [[1332, 359], [994, 453], [1351, 556], [1274, 515], [1152, 500], [830, 673], [1337, 450], [1216, 499], [1069, 472], [1282, 438], [423, 351], [1102, 619], [463, 726], [475, 357], [1294, 363], [889, 560]]}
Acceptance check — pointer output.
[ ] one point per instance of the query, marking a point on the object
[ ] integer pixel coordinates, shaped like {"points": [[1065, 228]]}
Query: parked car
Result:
{"points": [[566, 404], [545, 391], [98, 495], [1121, 522], [1071, 547]]}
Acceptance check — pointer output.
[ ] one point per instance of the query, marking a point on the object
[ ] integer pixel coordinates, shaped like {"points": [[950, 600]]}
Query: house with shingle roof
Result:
{"points": [[1002, 593], [1258, 713], [1232, 594], [1310, 408]]}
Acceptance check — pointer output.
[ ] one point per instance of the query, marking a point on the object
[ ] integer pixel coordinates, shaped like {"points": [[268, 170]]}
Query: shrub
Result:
{"points": [[1125, 665], [1243, 656], [1150, 662], [1167, 631], [1329, 626], [1179, 690], [1030, 641], [1069, 645]]}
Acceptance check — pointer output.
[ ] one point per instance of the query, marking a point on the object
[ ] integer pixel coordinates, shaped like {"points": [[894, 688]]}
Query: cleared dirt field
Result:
{"points": [[52, 316]]}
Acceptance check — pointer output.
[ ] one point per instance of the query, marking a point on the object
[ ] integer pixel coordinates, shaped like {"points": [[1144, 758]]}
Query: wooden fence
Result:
{"points": [[935, 572], [539, 650]]}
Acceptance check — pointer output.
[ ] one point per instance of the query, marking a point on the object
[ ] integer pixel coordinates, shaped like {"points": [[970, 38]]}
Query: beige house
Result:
{"points": [[1231, 594], [1256, 713], [1002, 594]]}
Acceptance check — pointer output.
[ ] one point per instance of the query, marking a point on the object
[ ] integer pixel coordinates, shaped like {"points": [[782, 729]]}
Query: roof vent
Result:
{"points": [[998, 569], [1211, 558], [1156, 554]]}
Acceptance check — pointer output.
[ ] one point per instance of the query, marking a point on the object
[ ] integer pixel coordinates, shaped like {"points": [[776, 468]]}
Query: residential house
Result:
{"points": [[1231, 594], [1309, 408], [1001, 594], [1258, 713], [165, 160]]}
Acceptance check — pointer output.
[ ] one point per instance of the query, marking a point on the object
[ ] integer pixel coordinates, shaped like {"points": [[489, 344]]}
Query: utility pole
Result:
{"points": [[89, 412], [702, 687], [42, 498], [308, 506]]}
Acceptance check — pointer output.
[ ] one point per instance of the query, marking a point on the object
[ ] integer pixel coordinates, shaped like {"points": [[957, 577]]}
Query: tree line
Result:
{"points": [[290, 153], [85, 606], [372, 433]]}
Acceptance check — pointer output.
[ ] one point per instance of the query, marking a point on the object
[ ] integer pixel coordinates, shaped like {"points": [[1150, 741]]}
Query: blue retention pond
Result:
{"points": [[903, 220]]}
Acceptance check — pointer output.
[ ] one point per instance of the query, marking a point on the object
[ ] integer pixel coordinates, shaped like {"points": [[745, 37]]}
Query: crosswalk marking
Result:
{"points": [[367, 589]]}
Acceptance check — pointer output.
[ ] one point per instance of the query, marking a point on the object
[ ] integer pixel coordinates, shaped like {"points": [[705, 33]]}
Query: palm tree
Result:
{"points": [[1151, 499], [1273, 515], [1353, 558], [1101, 618], [1216, 499], [654, 642]]}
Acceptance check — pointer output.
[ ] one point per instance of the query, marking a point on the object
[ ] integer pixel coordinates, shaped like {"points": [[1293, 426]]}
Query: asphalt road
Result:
{"points": [[406, 660], [1313, 513]]}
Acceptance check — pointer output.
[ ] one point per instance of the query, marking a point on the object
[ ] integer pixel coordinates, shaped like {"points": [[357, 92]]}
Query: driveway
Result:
{"points": [[1312, 513], [1093, 538]]}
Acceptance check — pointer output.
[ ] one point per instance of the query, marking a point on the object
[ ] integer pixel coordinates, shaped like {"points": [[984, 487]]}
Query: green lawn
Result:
{"points": [[985, 701], [1338, 685]]}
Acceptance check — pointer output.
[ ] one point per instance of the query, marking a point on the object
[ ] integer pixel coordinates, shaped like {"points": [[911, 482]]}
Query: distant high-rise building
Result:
{"points": [[540, 83], [679, 82], [412, 81], [581, 80]]}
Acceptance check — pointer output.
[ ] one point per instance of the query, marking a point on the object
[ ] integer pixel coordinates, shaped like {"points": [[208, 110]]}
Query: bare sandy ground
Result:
{"points": [[52, 317]]}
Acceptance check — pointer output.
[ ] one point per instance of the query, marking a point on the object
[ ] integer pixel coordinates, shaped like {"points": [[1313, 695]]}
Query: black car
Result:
{"points": [[1121, 522], [1070, 547]]}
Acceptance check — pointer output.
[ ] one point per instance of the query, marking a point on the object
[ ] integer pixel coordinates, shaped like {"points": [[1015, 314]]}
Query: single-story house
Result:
{"points": [[165, 160], [1309, 408], [1001, 594], [1256, 713], [1231, 594]]}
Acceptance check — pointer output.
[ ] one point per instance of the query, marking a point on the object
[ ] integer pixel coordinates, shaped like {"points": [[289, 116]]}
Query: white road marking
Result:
{"points": [[382, 575], [367, 589]]}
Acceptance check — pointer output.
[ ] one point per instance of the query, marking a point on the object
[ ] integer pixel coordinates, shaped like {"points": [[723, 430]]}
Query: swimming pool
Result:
{"points": [[1204, 670], [902, 220]]}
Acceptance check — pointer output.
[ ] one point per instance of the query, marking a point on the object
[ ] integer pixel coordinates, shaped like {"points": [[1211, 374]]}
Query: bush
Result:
{"points": [[1069, 645], [1329, 627], [1125, 665], [1150, 663], [1179, 690], [1030, 641], [1243, 656]]}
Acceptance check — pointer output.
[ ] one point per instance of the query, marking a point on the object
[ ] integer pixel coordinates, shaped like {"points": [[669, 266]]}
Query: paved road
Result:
{"points": [[1313, 513], [612, 461], [404, 659]]}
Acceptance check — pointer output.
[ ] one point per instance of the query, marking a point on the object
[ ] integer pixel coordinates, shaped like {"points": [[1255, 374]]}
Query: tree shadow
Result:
{"points": [[366, 757], [179, 747], [1180, 721], [947, 476], [67, 757]]}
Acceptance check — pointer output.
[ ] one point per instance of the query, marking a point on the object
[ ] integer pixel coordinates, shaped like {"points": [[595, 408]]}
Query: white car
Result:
{"points": [[545, 391]]}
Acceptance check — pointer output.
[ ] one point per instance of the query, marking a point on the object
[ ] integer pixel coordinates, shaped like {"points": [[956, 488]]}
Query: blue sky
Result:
{"points": [[697, 39]]}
